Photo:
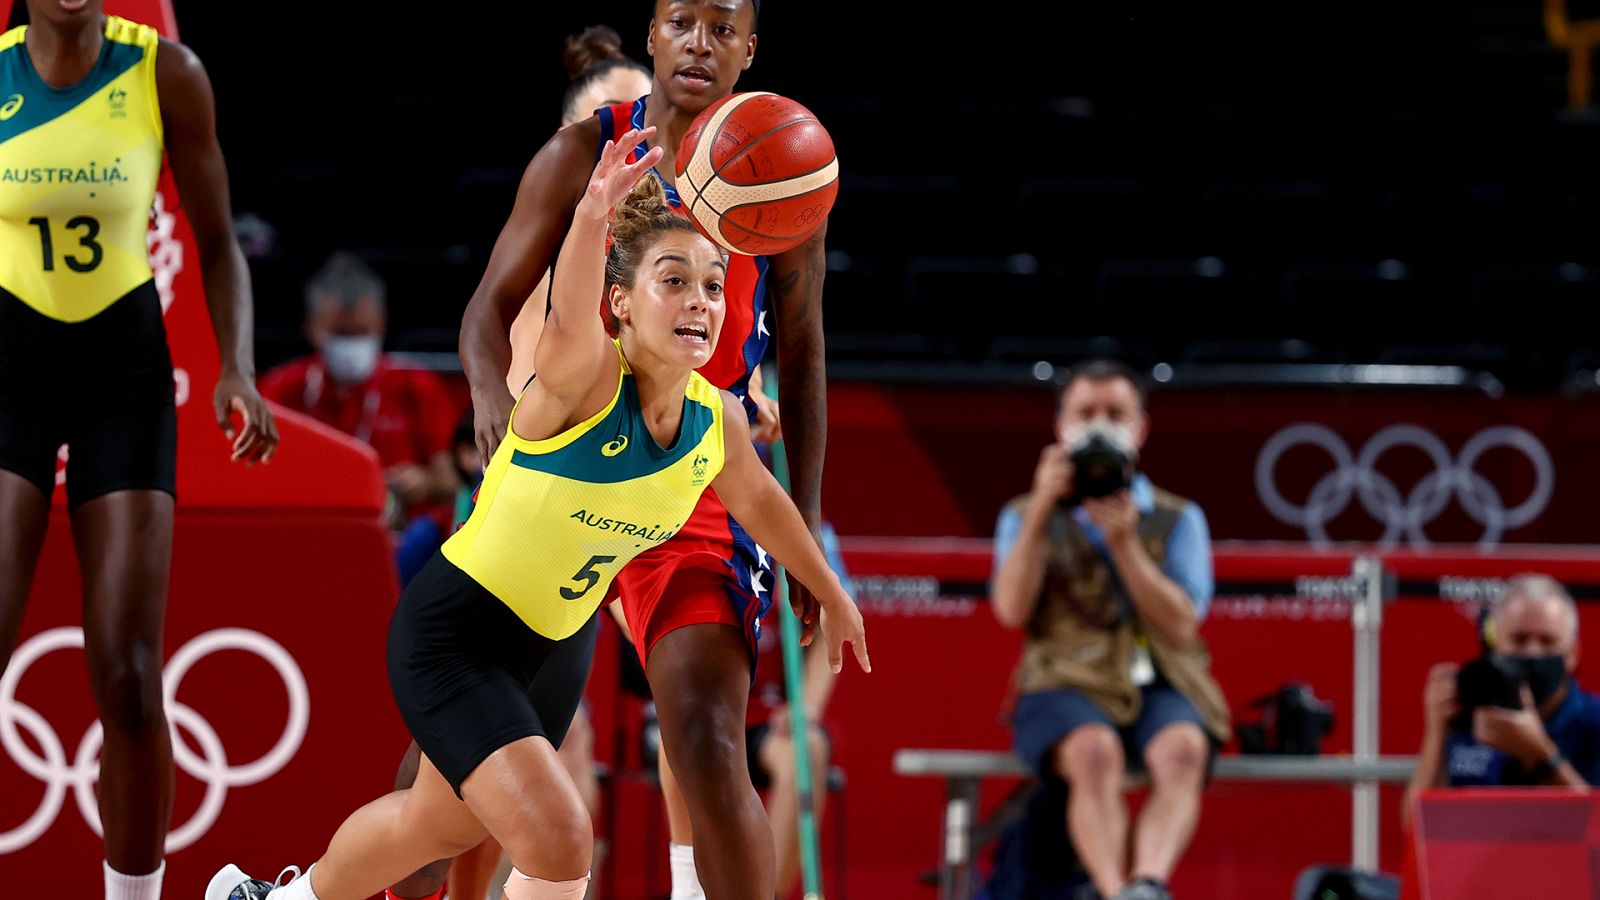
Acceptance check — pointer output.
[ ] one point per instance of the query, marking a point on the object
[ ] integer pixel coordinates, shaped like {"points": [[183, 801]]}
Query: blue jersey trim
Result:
{"points": [[755, 345], [608, 129], [644, 147]]}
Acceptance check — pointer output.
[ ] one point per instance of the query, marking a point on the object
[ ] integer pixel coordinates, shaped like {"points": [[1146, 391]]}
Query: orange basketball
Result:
{"points": [[757, 173]]}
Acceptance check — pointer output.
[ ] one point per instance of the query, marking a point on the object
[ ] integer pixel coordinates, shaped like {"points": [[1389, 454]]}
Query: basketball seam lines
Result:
{"points": [[748, 187], [751, 231], [795, 177], [716, 172], [700, 197], [751, 203], [722, 115]]}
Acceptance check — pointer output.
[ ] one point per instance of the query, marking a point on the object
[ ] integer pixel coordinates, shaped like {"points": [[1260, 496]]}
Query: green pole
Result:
{"points": [[794, 678]]}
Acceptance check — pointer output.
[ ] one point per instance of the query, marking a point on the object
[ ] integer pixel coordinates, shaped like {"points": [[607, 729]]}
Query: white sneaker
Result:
{"points": [[231, 884]]}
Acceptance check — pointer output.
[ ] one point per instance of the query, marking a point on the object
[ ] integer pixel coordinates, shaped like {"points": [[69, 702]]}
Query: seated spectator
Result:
{"points": [[349, 383], [1552, 738], [1110, 589]]}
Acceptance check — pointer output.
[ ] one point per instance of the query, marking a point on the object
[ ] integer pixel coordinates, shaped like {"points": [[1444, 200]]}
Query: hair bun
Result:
{"points": [[645, 205], [596, 44]]}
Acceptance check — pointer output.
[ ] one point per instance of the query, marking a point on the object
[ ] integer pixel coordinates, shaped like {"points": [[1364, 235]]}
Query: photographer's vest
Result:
{"points": [[1084, 633]]}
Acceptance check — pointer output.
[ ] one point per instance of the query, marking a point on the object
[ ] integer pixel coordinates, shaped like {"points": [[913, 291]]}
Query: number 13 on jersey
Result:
{"points": [[91, 230]]}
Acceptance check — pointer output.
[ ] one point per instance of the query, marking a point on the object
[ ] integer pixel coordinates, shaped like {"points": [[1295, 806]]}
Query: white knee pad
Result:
{"points": [[526, 887]]}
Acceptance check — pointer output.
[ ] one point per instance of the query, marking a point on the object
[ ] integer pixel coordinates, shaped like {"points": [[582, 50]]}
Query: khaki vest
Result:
{"points": [[1083, 633]]}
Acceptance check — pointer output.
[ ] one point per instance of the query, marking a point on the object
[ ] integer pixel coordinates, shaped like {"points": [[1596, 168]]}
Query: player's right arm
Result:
{"points": [[1020, 543], [762, 507], [575, 353], [551, 187]]}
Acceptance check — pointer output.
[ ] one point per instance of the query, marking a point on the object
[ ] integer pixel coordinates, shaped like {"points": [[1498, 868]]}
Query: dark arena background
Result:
{"points": [[1351, 250]]}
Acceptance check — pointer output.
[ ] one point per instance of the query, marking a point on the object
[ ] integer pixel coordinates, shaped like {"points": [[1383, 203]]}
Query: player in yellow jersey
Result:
{"points": [[606, 453], [88, 105], [601, 75]]}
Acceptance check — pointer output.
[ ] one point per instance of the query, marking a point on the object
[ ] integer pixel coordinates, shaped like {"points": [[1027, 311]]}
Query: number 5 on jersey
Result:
{"points": [[91, 230], [588, 576]]}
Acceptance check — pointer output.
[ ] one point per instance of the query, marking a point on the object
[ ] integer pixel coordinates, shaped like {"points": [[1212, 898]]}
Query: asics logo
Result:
{"points": [[616, 446], [9, 109]]}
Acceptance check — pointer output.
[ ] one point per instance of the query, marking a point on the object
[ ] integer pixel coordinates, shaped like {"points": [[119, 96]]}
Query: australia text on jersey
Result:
{"points": [[94, 174], [653, 533]]}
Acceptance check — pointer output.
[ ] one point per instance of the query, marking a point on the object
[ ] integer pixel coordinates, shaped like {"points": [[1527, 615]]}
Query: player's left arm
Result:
{"points": [[758, 502], [795, 282], [188, 119], [796, 287]]}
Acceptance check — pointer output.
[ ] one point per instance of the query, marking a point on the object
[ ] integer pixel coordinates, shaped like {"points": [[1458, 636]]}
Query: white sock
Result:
{"points": [[134, 887], [685, 880], [298, 889]]}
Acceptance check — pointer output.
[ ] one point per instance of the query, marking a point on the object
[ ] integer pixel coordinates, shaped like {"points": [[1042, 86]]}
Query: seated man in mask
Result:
{"points": [[1109, 578], [1551, 737], [405, 414]]}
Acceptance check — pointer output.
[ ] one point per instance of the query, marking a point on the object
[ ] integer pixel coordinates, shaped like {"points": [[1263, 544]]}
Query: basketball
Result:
{"points": [[757, 173]]}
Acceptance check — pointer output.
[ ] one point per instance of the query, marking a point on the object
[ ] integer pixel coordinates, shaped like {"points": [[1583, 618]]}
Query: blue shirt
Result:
{"points": [[1575, 728], [1188, 559]]}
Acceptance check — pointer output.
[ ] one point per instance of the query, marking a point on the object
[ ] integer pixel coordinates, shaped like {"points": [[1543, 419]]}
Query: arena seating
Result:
{"points": [[1163, 173]]}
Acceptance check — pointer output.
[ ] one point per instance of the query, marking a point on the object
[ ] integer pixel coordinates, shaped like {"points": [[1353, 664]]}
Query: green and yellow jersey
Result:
{"points": [[78, 173], [557, 518]]}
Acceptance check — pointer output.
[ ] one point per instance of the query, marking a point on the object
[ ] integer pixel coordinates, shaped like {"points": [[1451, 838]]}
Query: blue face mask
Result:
{"points": [[351, 359]]}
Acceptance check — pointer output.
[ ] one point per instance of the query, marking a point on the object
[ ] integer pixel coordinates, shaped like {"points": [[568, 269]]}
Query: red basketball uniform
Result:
{"points": [[711, 571]]}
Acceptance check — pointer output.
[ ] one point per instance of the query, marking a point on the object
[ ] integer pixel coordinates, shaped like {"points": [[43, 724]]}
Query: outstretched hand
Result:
{"points": [[614, 176], [841, 624]]}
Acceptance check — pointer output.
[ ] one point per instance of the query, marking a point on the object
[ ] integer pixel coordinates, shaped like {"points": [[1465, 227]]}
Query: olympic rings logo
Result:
{"points": [[1404, 515], [212, 767]]}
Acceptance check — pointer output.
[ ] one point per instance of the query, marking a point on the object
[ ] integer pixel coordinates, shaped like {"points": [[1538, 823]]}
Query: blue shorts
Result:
{"points": [[1044, 719]]}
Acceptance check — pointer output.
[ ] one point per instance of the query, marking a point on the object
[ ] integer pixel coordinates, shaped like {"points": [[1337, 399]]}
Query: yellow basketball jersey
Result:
{"points": [[78, 172], [556, 519]]}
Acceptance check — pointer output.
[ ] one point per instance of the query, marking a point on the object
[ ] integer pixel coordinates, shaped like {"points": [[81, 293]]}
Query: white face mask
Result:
{"points": [[1118, 434], [351, 359]]}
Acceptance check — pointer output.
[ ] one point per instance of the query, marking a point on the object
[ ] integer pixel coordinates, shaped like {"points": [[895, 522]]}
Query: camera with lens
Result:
{"points": [[1489, 680], [1103, 462], [1292, 721]]}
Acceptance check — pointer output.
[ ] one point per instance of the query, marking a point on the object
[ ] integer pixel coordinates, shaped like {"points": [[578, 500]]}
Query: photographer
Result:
{"points": [[1110, 578], [1515, 716]]}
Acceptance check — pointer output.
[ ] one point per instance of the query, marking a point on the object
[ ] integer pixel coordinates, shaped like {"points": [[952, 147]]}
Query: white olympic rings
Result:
{"points": [[51, 767], [1404, 516]]}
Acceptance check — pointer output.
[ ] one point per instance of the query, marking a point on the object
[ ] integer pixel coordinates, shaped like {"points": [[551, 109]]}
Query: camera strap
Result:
{"points": [[1141, 665]]}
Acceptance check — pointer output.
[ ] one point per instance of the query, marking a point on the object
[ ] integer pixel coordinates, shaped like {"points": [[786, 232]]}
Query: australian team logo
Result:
{"points": [[10, 108], [119, 100], [616, 446], [700, 464]]}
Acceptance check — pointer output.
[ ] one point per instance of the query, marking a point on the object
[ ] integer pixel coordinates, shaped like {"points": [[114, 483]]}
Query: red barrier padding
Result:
{"points": [[1499, 842]]}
